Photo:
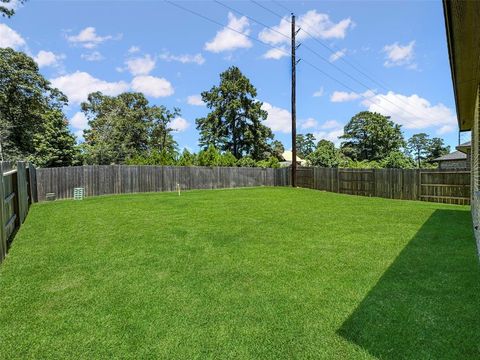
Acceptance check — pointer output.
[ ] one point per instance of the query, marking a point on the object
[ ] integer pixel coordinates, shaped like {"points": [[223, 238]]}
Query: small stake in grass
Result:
{"points": [[178, 189]]}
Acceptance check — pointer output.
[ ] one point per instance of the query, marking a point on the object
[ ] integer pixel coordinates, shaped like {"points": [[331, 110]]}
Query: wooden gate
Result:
{"points": [[450, 187], [356, 181]]}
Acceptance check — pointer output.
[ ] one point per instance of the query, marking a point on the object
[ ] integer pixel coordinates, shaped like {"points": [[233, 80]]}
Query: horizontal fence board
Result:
{"points": [[124, 179]]}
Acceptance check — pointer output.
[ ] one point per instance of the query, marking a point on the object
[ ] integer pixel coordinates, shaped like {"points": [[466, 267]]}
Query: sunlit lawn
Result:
{"points": [[247, 273]]}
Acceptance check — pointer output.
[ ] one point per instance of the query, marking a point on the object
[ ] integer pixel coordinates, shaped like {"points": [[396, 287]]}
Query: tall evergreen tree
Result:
{"points": [[235, 121], [55, 145]]}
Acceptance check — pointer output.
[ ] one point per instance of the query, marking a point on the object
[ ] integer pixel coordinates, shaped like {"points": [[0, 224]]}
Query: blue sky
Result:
{"points": [[172, 55]]}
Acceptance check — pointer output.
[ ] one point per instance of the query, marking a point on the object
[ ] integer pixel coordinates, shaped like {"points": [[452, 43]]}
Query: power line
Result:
{"points": [[357, 68], [273, 47], [324, 59]]}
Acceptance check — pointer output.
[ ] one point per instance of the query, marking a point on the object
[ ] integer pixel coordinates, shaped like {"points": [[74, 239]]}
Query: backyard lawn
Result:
{"points": [[258, 273]]}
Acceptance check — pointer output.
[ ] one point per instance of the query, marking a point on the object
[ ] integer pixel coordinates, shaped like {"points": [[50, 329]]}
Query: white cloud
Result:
{"points": [[89, 39], [10, 38], [184, 59], [152, 86], [338, 55], [319, 92], [48, 58], [276, 53], [140, 65], [79, 121], [79, 135], [330, 124], [133, 49], [93, 56], [195, 100], [79, 84], [332, 135], [309, 123], [179, 124], [343, 96], [228, 39], [278, 119], [413, 112], [317, 24], [398, 55]]}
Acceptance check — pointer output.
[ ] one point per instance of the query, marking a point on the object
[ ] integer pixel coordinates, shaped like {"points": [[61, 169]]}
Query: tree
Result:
{"points": [[417, 146], [26, 99], [7, 7], [397, 160], [423, 149], [277, 149], [436, 148], [246, 161], [125, 126], [186, 159], [325, 155], [209, 157], [305, 144], [235, 122], [55, 145], [371, 136]]}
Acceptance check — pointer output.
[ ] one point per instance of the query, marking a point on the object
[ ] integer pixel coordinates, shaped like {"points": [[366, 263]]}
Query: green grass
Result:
{"points": [[249, 273]]}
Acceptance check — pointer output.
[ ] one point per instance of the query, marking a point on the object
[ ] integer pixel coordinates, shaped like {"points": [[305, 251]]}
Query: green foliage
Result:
{"points": [[186, 159], [397, 160], [363, 164], [125, 126], [417, 147], [436, 148], [26, 100], [7, 7], [325, 155], [235, 121], [227, 159], [55, 145], [271, 162], [155, 157], [371, 136], [305, 145], [246, 161], [424, 150], [277, 149], [209, 157]]}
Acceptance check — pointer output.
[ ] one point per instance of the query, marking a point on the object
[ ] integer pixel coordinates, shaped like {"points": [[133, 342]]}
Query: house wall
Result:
{"points": [[453, 164], [475, 164]]}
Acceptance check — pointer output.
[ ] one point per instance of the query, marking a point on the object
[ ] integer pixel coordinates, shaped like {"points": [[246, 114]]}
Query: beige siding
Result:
{"points": [[476, 171]]}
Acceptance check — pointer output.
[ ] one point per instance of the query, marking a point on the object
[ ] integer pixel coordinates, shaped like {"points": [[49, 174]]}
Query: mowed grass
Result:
{"points": [[261, 273]]}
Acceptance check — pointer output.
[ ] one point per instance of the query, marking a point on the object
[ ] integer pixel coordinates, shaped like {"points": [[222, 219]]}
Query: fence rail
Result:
{"points": [[121, 179], [17, 191], [452, 187]]}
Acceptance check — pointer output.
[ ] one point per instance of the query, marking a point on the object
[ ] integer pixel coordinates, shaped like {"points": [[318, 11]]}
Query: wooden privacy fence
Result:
{"points": [[452, 187], [121, 179], [17, 192]]}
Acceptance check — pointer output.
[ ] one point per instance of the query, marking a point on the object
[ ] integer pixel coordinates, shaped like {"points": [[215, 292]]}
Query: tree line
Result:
{"points": [[372, 140], [127, 129]]}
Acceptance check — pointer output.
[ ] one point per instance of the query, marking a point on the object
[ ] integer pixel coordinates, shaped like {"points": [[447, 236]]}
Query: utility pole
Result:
{"points": [[294, 107]]}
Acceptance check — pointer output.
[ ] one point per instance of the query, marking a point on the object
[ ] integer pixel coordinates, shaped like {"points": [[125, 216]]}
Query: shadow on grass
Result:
{"points": [[427, 304]]}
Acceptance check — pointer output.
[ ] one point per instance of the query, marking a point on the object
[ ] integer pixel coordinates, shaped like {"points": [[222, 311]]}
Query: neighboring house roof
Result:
{"points": [[454, 156], [463, 36], [288, 156], [465, 147]]}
